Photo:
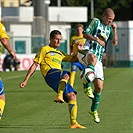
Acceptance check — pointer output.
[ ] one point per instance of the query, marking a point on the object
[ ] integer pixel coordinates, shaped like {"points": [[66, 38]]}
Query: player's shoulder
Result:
{"points": [[43, 49], [46, 47], [92, 23], [2, 26], [73, 37], [63, 54], [95, 20]]}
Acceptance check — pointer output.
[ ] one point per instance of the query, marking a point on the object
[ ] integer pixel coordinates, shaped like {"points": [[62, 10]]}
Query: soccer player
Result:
{"points": [[50, 59], [4, 39], [10, 63], [76, 40], [98, 32]]}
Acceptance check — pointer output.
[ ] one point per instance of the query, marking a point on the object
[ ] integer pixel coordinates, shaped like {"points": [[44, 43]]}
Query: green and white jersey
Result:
{"points": [[96, 28]]}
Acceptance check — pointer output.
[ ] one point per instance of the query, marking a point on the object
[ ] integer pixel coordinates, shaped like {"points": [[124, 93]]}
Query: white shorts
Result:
{"points": [[98, 67], [99, 70]]}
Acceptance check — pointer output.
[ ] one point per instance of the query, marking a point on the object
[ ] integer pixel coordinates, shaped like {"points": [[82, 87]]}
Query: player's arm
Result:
{"points": [[29, 73], [79, 46], [71, 50], [4, 39], [69, 58], [74, 58], [90, 37], [6, 44], [71, 46], [115, 37], [90, 27]]}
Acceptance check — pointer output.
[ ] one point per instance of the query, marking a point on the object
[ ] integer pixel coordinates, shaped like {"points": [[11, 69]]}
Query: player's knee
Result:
{"points": [[71, 96], [66, 77], [2, 97], [92, 59], [99, 88]]}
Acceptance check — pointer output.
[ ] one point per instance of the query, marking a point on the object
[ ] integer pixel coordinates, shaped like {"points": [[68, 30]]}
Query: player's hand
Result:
{"points": [[80, 46], [13, 54], [101, 42], [114, 26], [23, 84]]}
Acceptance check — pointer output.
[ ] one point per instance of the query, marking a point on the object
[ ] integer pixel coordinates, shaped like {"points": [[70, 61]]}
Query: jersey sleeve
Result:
{"points": [[66, 57], [3, 33], [40, 55], [90, 27]]}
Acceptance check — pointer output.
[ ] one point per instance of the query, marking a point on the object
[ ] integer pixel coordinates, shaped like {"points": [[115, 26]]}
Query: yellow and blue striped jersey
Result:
{"points": [[49, 57]]}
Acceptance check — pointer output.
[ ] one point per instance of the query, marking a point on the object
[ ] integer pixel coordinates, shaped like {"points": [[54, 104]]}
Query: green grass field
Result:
{"points": [[32, 109]]}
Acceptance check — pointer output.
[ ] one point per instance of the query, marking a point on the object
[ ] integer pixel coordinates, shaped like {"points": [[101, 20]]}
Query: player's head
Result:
{"points": [[79, 28], [108, 16], [54, 32], [55, 38]]}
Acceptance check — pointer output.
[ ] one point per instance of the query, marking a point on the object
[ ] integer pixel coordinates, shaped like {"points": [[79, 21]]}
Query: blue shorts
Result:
{"points": [[53, 78], [77, 65], [1, 88]]}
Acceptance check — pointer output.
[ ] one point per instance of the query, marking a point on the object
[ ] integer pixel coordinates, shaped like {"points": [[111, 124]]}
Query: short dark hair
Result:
{"points": [[108, 11], [54, 32]]}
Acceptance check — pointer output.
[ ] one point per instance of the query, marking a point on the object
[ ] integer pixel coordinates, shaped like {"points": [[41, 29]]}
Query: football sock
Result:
{"points": [[91, 67], [95, 101], [61, 87], [87, 85], [72, 78], [2, 104], [72, 107]]}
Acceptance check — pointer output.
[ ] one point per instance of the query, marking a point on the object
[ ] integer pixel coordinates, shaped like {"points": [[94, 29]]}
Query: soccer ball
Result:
{"points": [[87, 75]]}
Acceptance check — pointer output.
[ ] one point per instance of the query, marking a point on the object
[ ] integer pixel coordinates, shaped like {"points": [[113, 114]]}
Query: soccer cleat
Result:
{"points": [[88, 91], [95, 115], [59, 99], [76, 125]]}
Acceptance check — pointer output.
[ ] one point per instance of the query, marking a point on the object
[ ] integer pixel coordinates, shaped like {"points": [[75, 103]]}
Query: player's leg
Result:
{"points": [[61, 88], [2, 99], [57, 80], [88, 59], [86, 86], [98, 86], [72, 78], [62, 84], [72, 107], [74, 69], [69, 96], [88, 90], [91, 60]]}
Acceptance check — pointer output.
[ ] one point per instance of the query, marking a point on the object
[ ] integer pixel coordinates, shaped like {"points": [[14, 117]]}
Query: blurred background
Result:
{"points": [[29, 22]]}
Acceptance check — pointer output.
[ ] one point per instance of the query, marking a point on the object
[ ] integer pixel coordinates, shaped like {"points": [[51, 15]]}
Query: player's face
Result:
{"points": [[107, 19], [56, 40], [80, 30]]}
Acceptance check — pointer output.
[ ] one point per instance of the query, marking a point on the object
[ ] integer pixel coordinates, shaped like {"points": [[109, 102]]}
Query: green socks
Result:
{"points": [[95, 101]]}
